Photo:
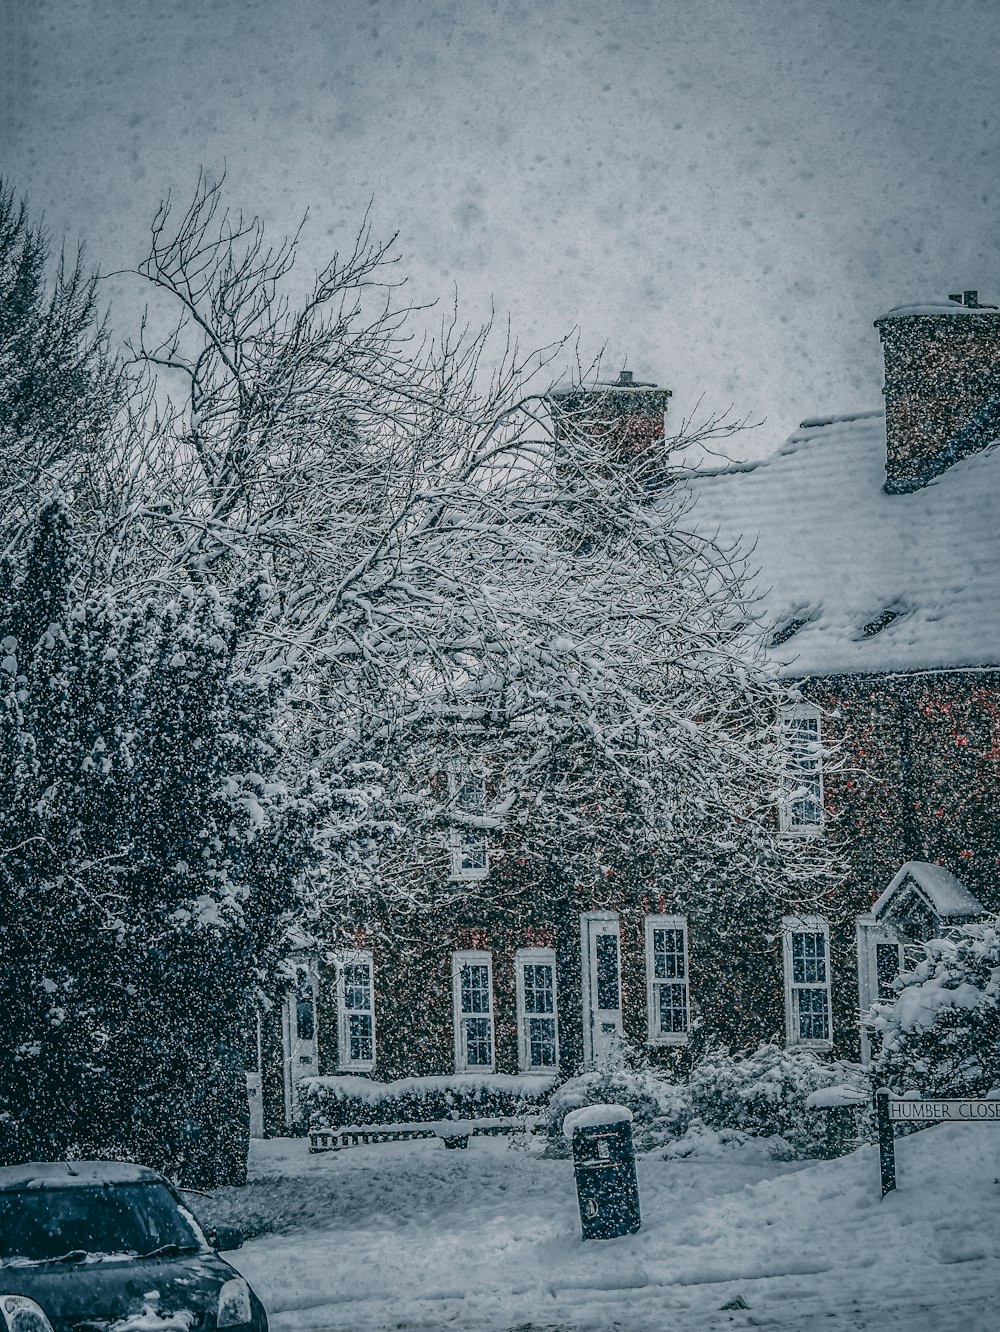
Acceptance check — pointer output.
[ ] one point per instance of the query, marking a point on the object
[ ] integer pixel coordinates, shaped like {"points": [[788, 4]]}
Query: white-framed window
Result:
{"points": [[299, 1035], [808, 1019], [801, 806], [470, 855], [356, 1011], [668, 1005], [537, 1010], [472, 982]]}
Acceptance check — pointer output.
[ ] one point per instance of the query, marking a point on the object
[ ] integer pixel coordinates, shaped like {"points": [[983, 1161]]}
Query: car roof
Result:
{"points": [[74, 1174]]}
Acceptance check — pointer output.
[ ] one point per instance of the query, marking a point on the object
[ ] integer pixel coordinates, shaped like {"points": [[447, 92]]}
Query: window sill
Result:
{"points": [[818, 1046], [674, 1038]]}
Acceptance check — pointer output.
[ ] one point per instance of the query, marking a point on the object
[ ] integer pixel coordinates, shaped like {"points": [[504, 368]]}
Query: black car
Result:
{"points": [[103, 1246]]}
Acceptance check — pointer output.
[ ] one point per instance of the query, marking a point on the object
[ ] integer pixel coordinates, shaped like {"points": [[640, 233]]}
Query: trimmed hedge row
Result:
{"points": [[335, 1101]]}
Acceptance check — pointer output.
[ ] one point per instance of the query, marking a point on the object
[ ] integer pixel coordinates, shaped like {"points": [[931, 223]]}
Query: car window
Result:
{"points": [[111, 1218]]}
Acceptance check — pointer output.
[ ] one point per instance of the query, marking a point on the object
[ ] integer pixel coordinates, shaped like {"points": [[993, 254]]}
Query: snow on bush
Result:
{"points": [[941, 1035], [334, 1101], [726, 1099], [659, 1108], [764, 1094]]}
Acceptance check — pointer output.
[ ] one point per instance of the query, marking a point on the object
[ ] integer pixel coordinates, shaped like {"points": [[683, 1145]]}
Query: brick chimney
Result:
{"points": [[626, 415], [942, 386]]}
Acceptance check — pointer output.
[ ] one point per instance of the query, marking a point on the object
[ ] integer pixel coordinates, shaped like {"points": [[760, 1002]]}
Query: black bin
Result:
{"points": [[606, 1183]]}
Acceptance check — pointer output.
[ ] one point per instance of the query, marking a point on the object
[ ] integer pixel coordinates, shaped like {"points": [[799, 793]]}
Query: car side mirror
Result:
{"points": [[226, 1237]]}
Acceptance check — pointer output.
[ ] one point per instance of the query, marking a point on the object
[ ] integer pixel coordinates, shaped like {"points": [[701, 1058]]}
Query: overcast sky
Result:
{"points": [[724, 192]]}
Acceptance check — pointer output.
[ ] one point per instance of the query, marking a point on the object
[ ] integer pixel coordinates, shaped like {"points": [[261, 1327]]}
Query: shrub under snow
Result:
{"points": [[659, 1108], [764, 1094], [726, 1099], [333, 1102], [941, 1035]]}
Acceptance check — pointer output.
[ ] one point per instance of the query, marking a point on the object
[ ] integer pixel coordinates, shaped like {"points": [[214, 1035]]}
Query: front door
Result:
{"points": [[602, 990], [880, 960], [299, 1038], [254, 1089]]}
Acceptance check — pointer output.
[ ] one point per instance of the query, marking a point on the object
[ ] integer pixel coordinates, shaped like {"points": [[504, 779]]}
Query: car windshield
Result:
{"points": [[42, 1224]]}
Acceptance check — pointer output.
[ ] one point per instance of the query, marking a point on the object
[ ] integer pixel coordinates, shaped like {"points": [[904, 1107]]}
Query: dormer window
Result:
{"points": [[881, 621], [470, 856], [801, 806]]}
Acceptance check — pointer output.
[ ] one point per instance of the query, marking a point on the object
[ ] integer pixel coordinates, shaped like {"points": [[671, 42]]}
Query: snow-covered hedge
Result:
{"points": [[941, 1035], [335, 1101], [726, 1097], [764, 1094]]}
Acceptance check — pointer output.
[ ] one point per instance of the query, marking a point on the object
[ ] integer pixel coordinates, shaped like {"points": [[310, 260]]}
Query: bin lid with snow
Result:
{"points": [[595, 1116]]}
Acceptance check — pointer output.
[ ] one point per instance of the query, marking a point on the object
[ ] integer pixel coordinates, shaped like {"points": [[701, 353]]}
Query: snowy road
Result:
{"points": [[410, 1237]]}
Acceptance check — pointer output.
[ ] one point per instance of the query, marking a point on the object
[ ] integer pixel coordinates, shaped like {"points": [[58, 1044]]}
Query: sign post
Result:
{"points": [[891, 1110], [886, 1141]]}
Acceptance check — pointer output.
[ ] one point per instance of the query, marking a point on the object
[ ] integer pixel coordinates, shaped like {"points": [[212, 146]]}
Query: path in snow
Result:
{"points": [[410, 1236]]}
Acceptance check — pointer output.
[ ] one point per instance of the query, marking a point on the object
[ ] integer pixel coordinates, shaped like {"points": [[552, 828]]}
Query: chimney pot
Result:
{"points": [[625, 377]]}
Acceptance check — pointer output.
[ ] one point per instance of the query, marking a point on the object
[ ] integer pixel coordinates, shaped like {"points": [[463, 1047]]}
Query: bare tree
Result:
{"points": [[454, 578]]}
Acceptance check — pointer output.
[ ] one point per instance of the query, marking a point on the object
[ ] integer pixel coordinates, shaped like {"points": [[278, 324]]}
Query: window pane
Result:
{"points": [[478, 1044], [668, 954], [808, 959], [470, 796], [473, 851], [608, 994], [802, 740], [673, 1008], [806, 808], [802, 766], [475, 988], [357, 987], [305, 1018], [539, 988], [887, 966], [814, 1018], [360, 1036], [542, 1042]]}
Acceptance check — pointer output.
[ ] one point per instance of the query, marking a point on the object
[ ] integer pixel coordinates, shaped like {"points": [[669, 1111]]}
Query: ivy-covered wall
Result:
{"points": [[919, 758], [913, 773]]}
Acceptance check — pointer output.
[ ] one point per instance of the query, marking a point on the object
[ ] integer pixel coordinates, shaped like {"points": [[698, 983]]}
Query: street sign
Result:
{"points": [[893, 1110], [904, 1111]]}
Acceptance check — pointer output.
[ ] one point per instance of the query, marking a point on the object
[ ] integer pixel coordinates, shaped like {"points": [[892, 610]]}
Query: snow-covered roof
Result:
{"points": [[946, 895], [850, 579], [70, 1174], [935, 308]]}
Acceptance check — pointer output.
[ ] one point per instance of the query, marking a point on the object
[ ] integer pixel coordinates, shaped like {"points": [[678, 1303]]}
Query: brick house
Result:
{"points": [[874, 540], [873, 543]]}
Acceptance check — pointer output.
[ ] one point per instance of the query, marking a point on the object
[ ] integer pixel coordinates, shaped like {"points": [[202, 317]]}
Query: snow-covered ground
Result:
{"points": [[411, 1236]]}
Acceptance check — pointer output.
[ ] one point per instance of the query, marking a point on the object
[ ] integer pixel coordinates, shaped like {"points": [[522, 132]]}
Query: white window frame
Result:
{"points": [[805, 925], [468, 843], [299, 1054], [471, 957], [360, 957], [800, 770], [654, 984], [534, 957]]}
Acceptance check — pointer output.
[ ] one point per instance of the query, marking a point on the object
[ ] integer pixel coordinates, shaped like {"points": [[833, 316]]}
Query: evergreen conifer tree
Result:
{"points": [[152, 866]]}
